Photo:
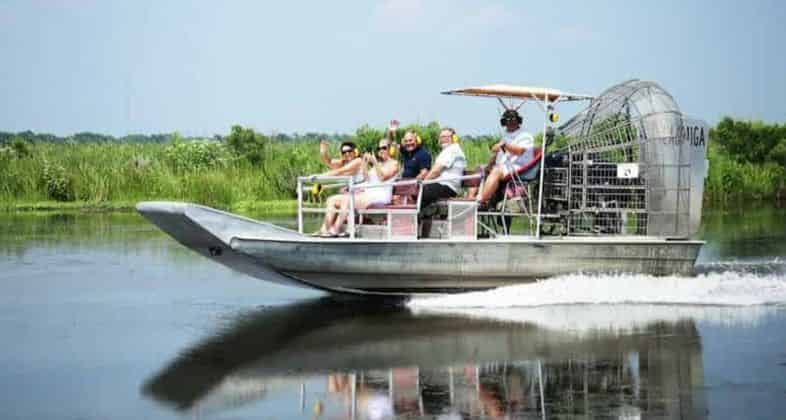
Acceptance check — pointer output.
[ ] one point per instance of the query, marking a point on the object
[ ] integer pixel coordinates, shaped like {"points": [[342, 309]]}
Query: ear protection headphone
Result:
{"points": [[418, 140], [454, 138], [510, 114], [355, 151]]}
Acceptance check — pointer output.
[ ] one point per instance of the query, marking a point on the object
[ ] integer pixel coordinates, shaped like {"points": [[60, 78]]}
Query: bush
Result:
{"points": [[280, 174], [18, 148], [193, 155], [732, 180], [21, 148], [6, 153], [58, 185], [778, 153]]}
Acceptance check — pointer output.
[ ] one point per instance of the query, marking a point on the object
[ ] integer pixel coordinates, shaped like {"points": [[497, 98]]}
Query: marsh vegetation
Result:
{"points": [[248, 171]]}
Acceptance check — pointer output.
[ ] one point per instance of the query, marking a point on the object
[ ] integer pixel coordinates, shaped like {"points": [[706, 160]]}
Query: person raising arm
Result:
{"points": [[349, 163], [377, 191]]}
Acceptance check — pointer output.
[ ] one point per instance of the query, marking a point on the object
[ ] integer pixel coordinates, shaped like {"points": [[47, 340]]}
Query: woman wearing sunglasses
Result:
{"points": [[349, 163], [380, 170]]}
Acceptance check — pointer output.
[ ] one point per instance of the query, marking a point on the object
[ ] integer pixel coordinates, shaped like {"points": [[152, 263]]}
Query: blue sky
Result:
{"points": [[121, 67]]}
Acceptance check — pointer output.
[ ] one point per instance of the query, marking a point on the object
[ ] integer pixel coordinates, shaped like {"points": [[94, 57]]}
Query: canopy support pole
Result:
{"points": [[546, 127]]}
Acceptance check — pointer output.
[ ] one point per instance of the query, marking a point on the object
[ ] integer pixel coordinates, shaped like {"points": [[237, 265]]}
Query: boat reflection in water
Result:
{"points": [[331, 359]]}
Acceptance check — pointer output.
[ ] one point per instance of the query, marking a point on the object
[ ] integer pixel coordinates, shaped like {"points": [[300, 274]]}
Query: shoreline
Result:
{"points": [[268, 207], [279, 207]]}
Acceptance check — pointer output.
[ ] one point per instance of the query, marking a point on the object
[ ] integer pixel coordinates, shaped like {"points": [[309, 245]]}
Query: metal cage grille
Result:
{"points": [[633, 165]]}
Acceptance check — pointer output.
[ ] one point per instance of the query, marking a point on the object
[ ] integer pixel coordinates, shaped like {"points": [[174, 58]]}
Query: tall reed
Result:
{"points": [[210, 173]]}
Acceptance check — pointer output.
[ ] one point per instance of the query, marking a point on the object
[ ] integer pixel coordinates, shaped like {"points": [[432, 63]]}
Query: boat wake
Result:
{"points": [[729, 293], [732, 283]]}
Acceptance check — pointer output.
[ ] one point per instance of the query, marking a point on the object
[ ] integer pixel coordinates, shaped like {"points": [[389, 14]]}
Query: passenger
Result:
{"points": [[448, 168], [514, 150], [416, 159], [349, 163], [383, 170]]}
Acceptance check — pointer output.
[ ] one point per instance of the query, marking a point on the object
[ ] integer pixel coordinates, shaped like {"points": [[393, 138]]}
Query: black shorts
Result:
{"points": [[433, 192]]}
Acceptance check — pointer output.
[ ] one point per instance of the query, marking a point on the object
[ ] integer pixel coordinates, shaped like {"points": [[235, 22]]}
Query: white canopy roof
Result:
{"points": [[520, 92]]}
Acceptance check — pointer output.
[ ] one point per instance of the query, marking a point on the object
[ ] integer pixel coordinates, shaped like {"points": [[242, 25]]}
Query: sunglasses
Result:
{"points": [[382, 148]]}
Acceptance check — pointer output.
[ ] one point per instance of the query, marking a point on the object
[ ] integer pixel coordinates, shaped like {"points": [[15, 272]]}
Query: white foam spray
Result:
{"points": [[614, 319], [726, 288], [583, 303]]}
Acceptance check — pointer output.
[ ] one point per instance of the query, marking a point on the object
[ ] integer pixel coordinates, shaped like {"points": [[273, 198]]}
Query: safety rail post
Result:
{"points": [[300, 206], [351, 217], [336, 181]]}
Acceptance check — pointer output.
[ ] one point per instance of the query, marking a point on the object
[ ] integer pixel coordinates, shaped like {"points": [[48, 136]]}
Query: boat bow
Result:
{"points": [[209, 232]]}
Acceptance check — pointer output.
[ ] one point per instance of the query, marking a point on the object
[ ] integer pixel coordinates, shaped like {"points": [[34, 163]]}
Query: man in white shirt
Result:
{"points": [[448, 167], [514, 151]]}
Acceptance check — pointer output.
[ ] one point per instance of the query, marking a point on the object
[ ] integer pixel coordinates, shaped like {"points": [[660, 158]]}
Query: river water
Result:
{"points": [[102, 316]]}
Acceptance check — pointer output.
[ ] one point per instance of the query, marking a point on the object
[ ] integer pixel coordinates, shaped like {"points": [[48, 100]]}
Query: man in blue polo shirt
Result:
{"points": [[416, 160]]}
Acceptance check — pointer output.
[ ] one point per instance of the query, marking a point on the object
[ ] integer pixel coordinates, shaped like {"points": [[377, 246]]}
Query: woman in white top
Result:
{"points": [[349, 163], [380, 171]]}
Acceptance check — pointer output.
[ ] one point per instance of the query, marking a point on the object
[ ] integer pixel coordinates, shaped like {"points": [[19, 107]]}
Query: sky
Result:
{"points": [[198, 67]]}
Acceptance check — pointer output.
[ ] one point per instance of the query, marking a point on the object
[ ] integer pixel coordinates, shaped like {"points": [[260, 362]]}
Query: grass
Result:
{"points": [[271, 207], [114, 177]]}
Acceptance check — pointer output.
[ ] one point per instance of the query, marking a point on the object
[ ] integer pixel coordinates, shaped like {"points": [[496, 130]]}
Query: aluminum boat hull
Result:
{"points": [[358, 266]]}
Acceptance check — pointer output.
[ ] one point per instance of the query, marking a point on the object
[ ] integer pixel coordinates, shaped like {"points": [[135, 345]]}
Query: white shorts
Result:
{"points": [[379, 196]]}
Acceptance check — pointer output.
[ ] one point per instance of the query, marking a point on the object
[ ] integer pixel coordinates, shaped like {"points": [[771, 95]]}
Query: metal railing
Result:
{"points": [[346, 181]]}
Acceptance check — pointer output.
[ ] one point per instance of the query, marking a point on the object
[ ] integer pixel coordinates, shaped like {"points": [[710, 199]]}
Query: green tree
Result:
{"points": [[749, 141], [246, 143]]}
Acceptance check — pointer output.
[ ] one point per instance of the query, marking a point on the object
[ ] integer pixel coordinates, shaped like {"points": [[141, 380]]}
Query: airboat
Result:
{"points": [[616, 189]]}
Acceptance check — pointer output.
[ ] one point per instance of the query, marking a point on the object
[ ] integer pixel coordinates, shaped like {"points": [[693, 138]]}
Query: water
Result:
{"points": [[104, 317]]}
